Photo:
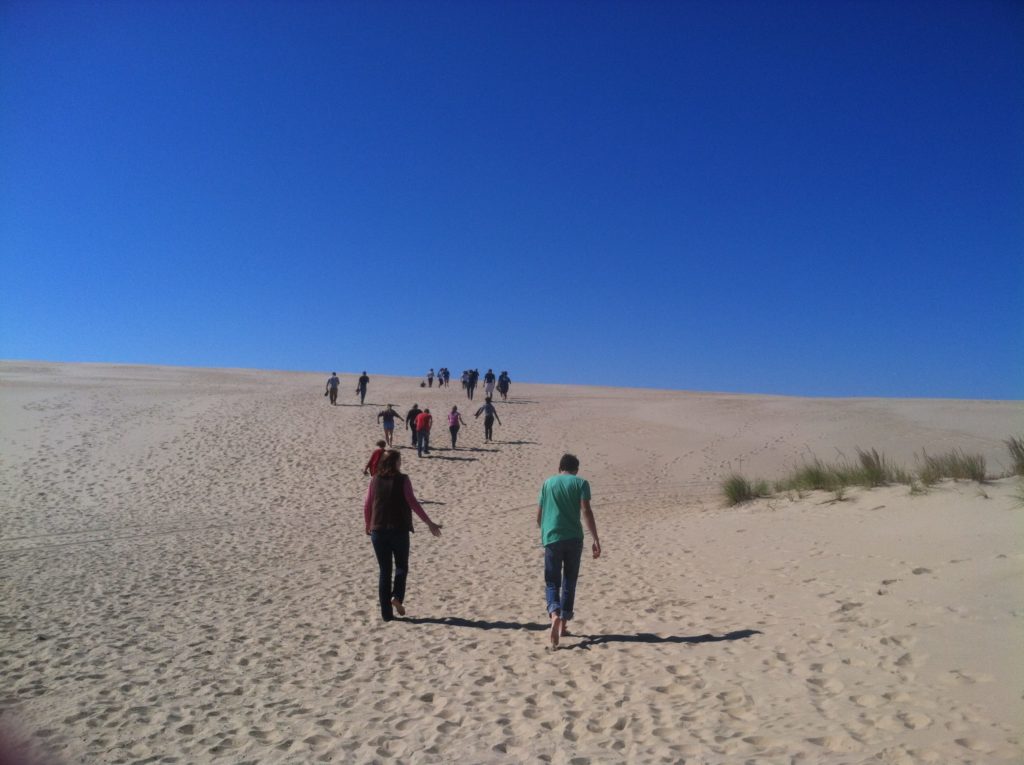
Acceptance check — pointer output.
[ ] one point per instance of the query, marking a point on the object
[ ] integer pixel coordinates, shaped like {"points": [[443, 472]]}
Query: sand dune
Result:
{"points": [[185, 578]]}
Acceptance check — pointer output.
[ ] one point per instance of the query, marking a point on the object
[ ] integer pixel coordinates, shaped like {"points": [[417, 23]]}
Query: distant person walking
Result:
{"points": [[504, 383], [388, 414], [490, 415], [332, 388], [423, 424], [430, 378], [361, 387], [410, 421], [371, 465], [446, 373], [387, 512], [563, 498], [454, 422], [489, 381]]}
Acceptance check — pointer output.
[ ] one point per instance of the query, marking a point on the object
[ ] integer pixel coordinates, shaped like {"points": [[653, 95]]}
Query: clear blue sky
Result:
{"points": [[811, 198]]}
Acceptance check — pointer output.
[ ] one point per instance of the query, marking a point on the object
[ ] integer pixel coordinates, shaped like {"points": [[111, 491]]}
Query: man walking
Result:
{"points": [[423, 423], [332, 387], [410, 421], [563, 498], [361, 387]]}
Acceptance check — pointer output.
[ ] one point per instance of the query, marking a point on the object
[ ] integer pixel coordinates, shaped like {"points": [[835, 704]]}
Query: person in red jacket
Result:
{"points": [[423, 423], [371, 466]]}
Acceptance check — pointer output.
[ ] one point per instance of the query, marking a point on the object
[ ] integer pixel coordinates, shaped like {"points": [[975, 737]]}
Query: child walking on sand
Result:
{"points": [[371, 466]]}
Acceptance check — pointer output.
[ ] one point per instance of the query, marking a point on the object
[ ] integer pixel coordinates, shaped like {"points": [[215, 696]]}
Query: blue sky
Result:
{"points": [[783, 197]]}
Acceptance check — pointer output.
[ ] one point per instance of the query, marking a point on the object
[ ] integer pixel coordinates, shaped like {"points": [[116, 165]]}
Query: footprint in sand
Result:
{"points": [[837, 743], [976, 745], [867, 701], [915, 720], [829, 685]]}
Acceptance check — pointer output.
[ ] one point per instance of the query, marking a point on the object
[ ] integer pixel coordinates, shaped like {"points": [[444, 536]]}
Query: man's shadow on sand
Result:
{"points": [[432, 455], [585, 641]]}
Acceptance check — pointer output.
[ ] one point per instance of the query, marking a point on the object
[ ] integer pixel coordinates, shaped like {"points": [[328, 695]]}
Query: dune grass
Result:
{"points": [[956, 464], [1016, 447], [871, 469], [738, 489]]}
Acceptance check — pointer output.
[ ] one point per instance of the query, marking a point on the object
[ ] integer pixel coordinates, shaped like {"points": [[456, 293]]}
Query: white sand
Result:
{"points": [[185, 578]]}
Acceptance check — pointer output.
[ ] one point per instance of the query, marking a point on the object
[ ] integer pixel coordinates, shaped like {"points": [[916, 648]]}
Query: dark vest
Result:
{"points": [[390, 509]]}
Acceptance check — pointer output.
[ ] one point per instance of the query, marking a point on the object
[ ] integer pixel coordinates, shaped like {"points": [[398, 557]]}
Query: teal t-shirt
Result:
{"points": [[559, 500]]}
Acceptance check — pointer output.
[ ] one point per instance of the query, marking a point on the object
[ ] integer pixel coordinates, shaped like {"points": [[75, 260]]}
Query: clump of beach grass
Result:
{"points": [[878, 470], [956, 464], [738, 489], [871, 469], [1016, 447]]}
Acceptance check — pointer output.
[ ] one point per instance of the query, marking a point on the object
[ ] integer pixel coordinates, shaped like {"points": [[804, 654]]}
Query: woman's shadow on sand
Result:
{"points": [[585, 641]]}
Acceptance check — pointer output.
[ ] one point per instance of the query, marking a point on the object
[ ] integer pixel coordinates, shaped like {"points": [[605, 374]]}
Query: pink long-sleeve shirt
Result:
{"points": [[409, 497]]}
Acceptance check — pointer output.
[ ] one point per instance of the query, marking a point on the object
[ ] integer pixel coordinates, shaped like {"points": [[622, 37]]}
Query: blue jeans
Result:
{"points": [[561, 569], [390, 544], [422, 442]]}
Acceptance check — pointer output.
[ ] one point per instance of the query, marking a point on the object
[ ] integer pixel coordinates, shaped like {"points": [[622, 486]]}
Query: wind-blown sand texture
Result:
{"points": [[185, 579]]}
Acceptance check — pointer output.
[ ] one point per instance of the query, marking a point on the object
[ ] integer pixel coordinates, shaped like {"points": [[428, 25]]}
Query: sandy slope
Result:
{"points": [[185, 578]]}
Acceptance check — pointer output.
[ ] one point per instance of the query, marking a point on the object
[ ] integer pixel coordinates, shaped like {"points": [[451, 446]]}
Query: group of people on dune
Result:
{"points": [[563, 506]]}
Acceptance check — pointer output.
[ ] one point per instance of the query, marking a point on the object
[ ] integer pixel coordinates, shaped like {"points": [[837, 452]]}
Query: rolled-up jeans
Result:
{"points": [[392, 550], [561, 570]]}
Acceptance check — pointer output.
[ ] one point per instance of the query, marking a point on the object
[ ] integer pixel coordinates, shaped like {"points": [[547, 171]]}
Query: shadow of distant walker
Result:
{"points": [[647, 637], [586, 640]]}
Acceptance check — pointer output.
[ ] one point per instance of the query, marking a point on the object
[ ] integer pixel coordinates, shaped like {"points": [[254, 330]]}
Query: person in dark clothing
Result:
{"points": [[387, 512], [361, 387], [490, 415], [410, 421], [504, 383]]}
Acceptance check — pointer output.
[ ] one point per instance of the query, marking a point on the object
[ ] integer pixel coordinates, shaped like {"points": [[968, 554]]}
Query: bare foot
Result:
{"points": [[556, 627], [397, 605], [565, 629]]}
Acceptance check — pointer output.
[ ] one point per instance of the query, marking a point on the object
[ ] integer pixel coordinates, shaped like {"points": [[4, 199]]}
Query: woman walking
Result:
{"points": [[387, 512], [389, 416], [454, 421]]}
